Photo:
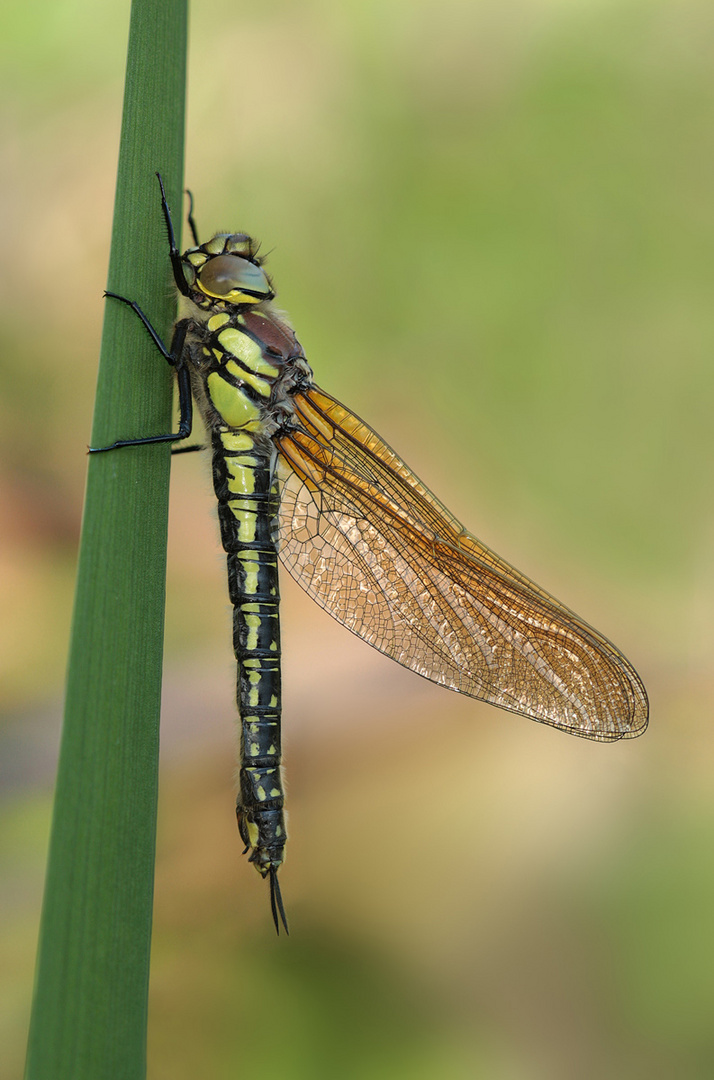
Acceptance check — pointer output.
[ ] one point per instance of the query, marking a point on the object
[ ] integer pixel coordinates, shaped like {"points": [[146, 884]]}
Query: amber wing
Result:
{"points": [[364, 537]]}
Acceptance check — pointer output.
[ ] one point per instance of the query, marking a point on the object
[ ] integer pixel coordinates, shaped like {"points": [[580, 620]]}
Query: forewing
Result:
{"points": [[364, 537]]}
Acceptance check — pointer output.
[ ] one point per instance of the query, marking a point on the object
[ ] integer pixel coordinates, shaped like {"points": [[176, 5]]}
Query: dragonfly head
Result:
{"points": [[226, 269]]}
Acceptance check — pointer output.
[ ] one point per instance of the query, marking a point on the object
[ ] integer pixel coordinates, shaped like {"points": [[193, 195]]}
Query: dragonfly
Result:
{"points": [[301, 479]]}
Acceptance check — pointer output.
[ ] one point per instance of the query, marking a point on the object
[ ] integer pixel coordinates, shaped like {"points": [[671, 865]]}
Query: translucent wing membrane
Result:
{"points": [[370, 544]]}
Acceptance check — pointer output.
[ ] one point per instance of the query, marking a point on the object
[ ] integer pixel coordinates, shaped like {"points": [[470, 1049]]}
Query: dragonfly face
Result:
{"points": [[300, 477], [226, 269]]}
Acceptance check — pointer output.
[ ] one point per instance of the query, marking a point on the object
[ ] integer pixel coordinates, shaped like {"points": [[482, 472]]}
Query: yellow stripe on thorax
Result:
{"points": [[259, 385], [217, 321], [233, 406], [247, 351]]}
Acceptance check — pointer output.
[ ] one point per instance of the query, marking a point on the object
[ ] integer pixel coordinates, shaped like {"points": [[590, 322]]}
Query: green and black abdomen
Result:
{"points": [[245, 362], [248, 503]]}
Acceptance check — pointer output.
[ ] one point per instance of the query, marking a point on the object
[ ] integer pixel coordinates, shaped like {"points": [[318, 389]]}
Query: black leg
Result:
{"points": [[174, 357], [188, 449], [190, 218], [174, 253], [154, 335]]}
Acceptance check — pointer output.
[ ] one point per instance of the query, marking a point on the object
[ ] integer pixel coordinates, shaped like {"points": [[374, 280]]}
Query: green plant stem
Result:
{"points": [[89, 1009]]}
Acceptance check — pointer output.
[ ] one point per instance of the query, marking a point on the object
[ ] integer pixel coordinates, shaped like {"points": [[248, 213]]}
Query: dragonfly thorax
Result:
{"points": [[246, 363]]}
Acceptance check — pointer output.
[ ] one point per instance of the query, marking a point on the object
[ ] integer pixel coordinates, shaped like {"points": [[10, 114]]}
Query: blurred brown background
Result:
{"points": [[519, 196]]}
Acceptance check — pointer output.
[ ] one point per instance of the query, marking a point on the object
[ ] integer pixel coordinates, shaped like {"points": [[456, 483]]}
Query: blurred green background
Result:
{"points": [[492, 226]]}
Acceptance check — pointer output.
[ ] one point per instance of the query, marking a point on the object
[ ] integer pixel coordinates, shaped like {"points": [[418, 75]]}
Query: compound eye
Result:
{"points": [[231, 278]]}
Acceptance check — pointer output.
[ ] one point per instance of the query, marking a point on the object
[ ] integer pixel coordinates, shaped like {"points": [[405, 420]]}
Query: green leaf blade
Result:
{"points": [[89, 1010]]}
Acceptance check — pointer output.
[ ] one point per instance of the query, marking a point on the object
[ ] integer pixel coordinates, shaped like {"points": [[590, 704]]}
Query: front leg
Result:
{"points": [[173, 356]]}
